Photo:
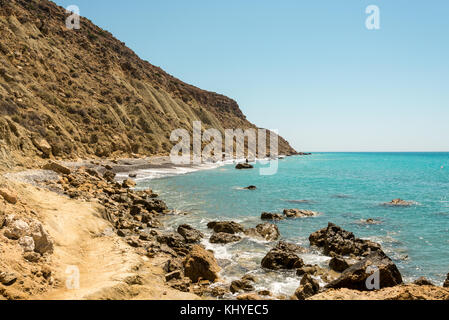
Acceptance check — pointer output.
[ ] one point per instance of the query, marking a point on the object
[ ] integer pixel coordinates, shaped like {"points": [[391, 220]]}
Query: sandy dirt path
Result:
{"points": [[108, 267]]}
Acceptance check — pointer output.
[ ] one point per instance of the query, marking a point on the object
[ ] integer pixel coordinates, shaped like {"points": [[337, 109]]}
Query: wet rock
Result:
{"points": [[422, 281], [173, 240], [266, 231], [399, 203], [337, 241], [250, 188], [201, 264], [355, 277], [17, 229], [8, 195], [224, 238], [7, 278], [338, 264], [271, 216], [308, 287], [241, 285], [283, 256], [56, 167], [42, 240], [128, 184], [27, 244], [241, 166], [190, 234], [298, 213], [151, 204], [225, 226]]}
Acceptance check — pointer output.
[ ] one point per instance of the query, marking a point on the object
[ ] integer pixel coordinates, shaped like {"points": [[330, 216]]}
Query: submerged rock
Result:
{"points": [[267, 231], [250, 188], [283, 256], [201, 264], [271, 216], [356, 276], [308, 287], [222, 237], [298, 213], [399, 203], [337, 241], [225, 226]]}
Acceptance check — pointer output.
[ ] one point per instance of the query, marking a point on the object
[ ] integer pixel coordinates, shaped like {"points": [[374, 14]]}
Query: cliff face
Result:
{"points": [[82, 93]]}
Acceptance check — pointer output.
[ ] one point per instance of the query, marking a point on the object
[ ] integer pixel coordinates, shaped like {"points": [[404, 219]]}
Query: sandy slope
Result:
{"points": [[109, 268]]}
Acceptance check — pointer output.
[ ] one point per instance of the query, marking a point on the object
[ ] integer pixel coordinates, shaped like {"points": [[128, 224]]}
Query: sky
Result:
{"points": [[310, 69]]}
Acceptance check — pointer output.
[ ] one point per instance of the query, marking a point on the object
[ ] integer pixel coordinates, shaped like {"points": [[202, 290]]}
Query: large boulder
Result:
{"points": [[267, 231], [201, 264], [308, 287], [225, 226], [283, 256], [43, 146], [128, 184], [190, 234], [271, 216], [337, 241], [356, 276], [224, 238], [298, 213]]}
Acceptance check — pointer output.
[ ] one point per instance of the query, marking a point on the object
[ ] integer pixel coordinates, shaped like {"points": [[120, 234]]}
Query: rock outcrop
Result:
{"points": [[271, 216], [190, 234], [336, 241], [283, 256], [222, 237], [363, 275], [201, 264], [225, 226]]}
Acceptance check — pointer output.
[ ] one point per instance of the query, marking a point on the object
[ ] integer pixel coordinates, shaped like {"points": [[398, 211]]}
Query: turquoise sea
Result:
{"points": [[344, 187]]}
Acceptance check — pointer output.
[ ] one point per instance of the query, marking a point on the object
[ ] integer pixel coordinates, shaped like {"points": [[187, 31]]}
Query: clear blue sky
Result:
{"points": [[308, 68]]}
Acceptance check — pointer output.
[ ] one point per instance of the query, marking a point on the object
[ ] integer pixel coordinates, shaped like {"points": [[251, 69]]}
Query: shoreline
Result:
{"points": [[165, 237]]}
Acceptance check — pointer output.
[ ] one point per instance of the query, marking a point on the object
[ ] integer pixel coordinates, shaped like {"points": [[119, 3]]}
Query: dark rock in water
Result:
{"points": [[335, 240], [250, 188], [151, 204], [399, 203], [356, 276], [271, 216], [283, 256], [241, 285], [308, 287], [190, 234], [338, 264], [224, 238], [267, 231], [132, 175], [446, 283], [225, 226], [422, 281], [298, 213], [241, 166], [370, 221]]}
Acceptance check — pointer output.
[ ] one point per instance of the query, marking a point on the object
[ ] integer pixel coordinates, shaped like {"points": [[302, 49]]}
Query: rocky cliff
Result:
{"points": [[71, 94]]}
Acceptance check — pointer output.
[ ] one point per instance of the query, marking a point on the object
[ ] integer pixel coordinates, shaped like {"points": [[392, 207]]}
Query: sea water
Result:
{"points": [[345, 188]]}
